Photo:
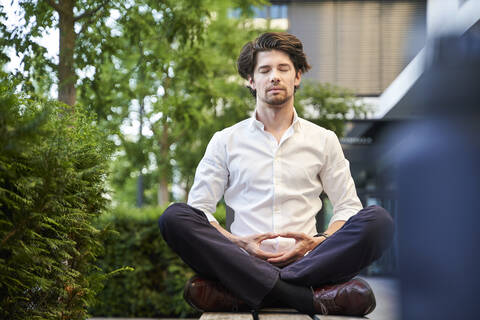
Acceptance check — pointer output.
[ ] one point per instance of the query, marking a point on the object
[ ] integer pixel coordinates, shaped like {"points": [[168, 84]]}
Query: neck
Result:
{"points": [[276, 119]]}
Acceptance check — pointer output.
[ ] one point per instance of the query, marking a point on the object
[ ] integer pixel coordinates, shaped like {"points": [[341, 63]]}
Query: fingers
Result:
{"points": [[267, 255], [265, 236], [294, 235], [253, 246], [279, 258], [285, 259]]}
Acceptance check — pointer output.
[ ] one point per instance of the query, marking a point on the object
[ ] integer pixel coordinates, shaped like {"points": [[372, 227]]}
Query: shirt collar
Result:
{"points": [[254, 123]]}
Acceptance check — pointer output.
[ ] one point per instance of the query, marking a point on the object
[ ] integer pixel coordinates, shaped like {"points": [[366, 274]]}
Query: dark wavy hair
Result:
{"points": [[281, 41]]}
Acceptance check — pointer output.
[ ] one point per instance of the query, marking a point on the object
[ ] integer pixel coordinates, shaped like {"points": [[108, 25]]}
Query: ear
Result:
{"points": [[251, 83], [298, 78]]}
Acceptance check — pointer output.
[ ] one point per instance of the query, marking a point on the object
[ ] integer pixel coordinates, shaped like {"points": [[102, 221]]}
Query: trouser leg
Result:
{"points": [[361, 240], [188, 232]]}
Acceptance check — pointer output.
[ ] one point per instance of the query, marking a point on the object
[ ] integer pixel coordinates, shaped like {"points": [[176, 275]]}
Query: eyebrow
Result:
{"points": [[268, 66]]}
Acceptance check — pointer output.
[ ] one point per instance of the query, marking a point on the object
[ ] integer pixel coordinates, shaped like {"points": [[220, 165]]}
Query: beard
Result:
{"points": [[276, 99]]}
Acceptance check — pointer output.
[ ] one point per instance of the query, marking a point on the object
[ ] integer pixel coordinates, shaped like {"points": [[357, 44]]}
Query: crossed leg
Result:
{"points": [[358, 243], [188, 232], [361, 240]]}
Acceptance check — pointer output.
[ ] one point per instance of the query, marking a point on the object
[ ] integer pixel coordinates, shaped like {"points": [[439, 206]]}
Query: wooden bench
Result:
{"points": [[270, 314]]}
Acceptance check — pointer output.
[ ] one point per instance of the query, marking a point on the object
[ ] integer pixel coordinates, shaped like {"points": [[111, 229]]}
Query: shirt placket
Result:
{"points": [[277, 180], [277, 169], [276, 189]]}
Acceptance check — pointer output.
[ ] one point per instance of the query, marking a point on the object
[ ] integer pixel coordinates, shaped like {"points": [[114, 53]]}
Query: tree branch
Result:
{"points": [[91, 12], [55, 6], [8, 236]]}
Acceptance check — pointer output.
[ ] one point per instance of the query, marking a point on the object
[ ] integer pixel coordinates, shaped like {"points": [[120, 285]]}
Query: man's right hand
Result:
{"points": [[251, 244]]}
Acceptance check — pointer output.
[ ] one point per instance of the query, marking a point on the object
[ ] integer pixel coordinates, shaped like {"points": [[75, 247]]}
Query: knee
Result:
{"points": [[378, 225], [170, 217], [378, 218]]}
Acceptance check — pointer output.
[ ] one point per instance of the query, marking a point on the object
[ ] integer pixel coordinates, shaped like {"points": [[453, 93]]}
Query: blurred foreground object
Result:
{"points": [[438, 178]]}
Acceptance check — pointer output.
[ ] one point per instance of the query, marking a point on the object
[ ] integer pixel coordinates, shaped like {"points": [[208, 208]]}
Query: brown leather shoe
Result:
{"points": [[211, 296], [352, 298]]}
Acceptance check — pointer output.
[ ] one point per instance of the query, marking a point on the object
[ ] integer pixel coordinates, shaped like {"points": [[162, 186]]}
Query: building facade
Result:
{"points": [[375, 48]]}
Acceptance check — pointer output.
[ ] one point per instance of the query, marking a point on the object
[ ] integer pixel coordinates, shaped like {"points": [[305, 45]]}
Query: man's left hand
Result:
{"points": [[303, 244]]}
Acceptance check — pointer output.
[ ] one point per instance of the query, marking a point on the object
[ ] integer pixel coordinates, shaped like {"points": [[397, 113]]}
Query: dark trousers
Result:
{"points": [[339, 258]]}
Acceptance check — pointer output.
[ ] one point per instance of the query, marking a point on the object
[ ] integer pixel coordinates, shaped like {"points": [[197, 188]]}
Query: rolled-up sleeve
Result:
{"points": [[211, 178], [338, 182]]}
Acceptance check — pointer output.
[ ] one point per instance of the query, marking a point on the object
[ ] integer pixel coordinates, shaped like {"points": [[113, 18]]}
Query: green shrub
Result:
{"points": [[52, 172], [155, 287]]}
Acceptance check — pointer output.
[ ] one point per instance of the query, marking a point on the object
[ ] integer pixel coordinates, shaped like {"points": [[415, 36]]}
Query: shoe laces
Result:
{"points": [[329, 305], [323, 308]]}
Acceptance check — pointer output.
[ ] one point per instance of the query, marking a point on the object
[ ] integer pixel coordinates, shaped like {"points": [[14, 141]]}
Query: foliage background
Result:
{"points": [[52, 186], [155, 287]]}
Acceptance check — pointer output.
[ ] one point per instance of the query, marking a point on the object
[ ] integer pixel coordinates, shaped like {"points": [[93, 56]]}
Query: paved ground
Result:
{"points": [[386, 293]]}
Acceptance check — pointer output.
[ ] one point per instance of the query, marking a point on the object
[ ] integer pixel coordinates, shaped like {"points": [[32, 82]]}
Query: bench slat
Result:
{"points": [[226, 316], [283, 316]]}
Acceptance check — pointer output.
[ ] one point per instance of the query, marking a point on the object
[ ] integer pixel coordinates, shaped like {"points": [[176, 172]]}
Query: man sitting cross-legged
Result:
{"points": [[271, 170]]}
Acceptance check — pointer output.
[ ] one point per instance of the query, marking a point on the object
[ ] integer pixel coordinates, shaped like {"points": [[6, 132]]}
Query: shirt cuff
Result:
{"points": [[210, 217]]}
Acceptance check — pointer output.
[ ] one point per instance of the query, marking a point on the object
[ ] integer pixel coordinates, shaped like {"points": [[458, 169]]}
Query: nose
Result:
{"points": [[274, 78]]}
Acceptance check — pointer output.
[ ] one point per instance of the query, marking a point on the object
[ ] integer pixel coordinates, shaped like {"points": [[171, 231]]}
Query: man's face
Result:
{"points": [[274, 78]]}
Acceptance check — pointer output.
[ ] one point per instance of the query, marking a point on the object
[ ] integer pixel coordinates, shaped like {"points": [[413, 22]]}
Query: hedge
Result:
{"points": [[52, 171], [155, 286]]}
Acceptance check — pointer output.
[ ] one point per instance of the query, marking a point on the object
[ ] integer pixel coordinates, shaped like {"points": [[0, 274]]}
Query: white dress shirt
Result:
{"points": [[271, 186]]}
